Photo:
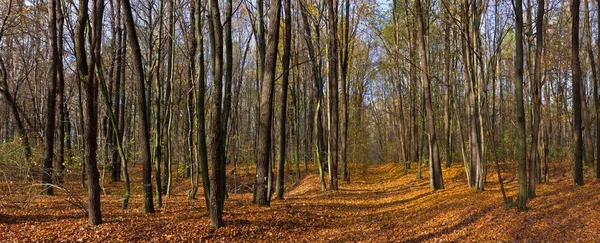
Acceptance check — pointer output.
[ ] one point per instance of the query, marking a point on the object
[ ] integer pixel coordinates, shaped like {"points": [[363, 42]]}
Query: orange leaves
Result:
{"points": [[380, 204]]}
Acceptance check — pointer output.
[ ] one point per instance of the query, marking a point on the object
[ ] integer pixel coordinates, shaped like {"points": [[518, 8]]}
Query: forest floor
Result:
{"points": [[381, 203]]}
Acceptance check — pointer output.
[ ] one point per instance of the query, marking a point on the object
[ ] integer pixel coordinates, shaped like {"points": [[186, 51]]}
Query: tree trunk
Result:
{"points": [[537, 101], [345, 97], [332, 63], [50, 103], [143, 126], [216, 42], [521, 135], [284, 90], [60, 160], [435, 167], [266, 108], [577, 99]]}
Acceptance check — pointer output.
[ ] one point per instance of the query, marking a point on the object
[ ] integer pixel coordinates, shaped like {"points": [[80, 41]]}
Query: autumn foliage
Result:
{"points": [[380, 204]]}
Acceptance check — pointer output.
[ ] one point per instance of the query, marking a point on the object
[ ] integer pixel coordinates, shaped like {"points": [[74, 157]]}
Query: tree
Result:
{"points": [[143, 128], [216, 183], [435, 167], [332, 62], [263, 139], [89, 73], [59, 166], [344, 56], [50, 103], [521, 135], [597, 99], [537, 100], [576, 86], [200, 106], [284, 90]]}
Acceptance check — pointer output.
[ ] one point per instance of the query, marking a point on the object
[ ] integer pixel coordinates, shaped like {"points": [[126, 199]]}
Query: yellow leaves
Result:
{"points": [[168, 237]]}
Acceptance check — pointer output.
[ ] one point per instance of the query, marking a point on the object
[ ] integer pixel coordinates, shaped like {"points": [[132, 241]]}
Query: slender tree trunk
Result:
{"points": [[200, 106], [50, 103], [332, 52], [226, 108], [597, 99], [143, 126], [284, 90], [577, 99], [216, 42], [266, 108], [537, 101], [60, 160], [91, 106], [157, 112], [447, 98], [345, 97], [191, 160], [435, 167], [521, 135], [168, 113]]}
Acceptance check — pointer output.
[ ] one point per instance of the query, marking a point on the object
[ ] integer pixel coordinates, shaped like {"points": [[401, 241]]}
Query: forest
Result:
{"points": [[299, 120]]}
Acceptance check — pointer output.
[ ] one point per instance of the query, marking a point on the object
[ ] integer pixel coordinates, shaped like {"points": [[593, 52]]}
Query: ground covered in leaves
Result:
{"points": [[381, 203]]}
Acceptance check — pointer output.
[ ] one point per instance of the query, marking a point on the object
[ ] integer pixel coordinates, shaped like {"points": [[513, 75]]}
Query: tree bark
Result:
{"points": [[435, 167], [266, 107], [216, 188], [345, 97], [50, 103], [143, 126], [576, 86], [284, 90], [332, 52], [521, 135]]}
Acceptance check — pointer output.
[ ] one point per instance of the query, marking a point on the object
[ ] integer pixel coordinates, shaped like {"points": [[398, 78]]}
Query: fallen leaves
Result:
{"points": [[381, 204]]}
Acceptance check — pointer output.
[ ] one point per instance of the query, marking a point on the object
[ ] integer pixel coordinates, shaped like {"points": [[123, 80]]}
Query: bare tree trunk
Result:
{"points": [[226, 108], [521, 135], [447, 98], [50, 103], [284, 90], [157, 112], [266, 108], [597, 100], [577, 99], [60, 160], [537, 101], [333, 93], [143, 126], [216, 42], [190, 114], [345, 97], [91, 104], [168, 113], [435, 167]]}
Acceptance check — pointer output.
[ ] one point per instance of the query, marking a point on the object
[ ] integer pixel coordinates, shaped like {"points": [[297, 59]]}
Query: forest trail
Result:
{"points": [[381, 203]]}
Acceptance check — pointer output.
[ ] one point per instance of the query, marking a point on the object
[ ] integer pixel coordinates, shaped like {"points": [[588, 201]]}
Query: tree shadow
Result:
{"points": [[460, 225]]}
